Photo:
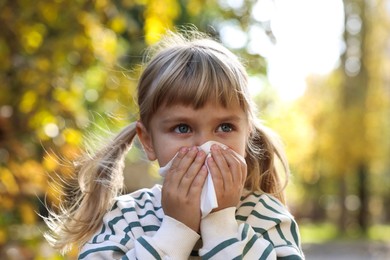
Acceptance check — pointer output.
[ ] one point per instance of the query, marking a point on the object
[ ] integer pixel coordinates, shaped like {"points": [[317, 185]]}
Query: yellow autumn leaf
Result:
{"points": [[28, 101], [8, 182], [27, 213], [3, 236], [50, 162], [72, 136], [118, 24], [7, 202]]}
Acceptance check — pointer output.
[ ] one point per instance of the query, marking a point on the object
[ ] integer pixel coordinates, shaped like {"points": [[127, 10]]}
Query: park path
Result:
{"points": [[357, 250]]}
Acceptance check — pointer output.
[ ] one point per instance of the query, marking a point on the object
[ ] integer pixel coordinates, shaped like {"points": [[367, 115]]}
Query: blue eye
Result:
{"points": [[225, 127], [182, 129]]}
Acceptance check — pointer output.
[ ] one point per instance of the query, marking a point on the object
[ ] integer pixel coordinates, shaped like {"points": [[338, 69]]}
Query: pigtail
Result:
{"points": [[90, 195], [265, 155]]}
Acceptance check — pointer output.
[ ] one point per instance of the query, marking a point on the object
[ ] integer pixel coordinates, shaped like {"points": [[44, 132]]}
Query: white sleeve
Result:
{"points": [[173, 240], [136, 228], [224, 238]]}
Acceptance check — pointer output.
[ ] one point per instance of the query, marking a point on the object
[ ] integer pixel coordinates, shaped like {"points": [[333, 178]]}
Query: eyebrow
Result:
{"points": [[229, 118]]}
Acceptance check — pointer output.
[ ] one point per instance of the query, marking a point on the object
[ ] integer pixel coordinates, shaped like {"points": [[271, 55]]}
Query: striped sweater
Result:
{"points": [[136, 228]]}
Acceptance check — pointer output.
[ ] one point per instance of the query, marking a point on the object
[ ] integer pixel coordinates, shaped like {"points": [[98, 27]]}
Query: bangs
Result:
{"points": [[195, 77]]}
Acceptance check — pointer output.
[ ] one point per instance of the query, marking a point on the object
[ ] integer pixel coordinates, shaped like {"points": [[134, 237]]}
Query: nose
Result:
{"points": [[203, 137]]}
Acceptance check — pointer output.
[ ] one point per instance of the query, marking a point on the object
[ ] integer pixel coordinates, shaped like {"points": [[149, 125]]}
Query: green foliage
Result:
{"points": [[68, 71], [65, 64]]}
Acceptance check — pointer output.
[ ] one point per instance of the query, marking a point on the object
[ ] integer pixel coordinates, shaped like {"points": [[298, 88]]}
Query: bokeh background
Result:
{"points": [[319, 72]]}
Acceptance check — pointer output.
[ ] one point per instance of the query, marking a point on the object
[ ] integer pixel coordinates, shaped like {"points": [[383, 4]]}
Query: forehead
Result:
{"points": [[209, 111]]}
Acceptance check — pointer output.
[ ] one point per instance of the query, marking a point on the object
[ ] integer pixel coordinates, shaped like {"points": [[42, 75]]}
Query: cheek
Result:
{"points": [[165, 152], [241, 147]]}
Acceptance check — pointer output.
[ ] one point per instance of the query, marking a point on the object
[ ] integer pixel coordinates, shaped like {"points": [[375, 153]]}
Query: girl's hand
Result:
{"points": [[183, 185], [228, 170]]}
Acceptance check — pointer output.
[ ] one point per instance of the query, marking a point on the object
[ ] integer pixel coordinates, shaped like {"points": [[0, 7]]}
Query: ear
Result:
{"points": [[146, 140]]}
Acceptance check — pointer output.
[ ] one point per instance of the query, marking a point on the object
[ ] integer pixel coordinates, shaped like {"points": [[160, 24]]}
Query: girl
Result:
{"points": [[192, 91]]}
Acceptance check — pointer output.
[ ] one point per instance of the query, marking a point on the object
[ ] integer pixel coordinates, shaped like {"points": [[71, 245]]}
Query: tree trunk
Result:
{"points": [[343, 209], [363, 217]]}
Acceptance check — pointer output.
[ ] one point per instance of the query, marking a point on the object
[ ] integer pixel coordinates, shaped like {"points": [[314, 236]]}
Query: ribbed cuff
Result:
{"points": [[175, 239], [219, 226]]}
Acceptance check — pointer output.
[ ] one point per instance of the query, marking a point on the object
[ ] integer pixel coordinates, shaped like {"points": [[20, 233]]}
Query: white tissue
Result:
{"points": [[208, 199]]}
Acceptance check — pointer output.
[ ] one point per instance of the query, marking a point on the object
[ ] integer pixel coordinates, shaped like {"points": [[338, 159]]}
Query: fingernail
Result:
{"points": [[184, 150], [210, 160], [200, 153]]}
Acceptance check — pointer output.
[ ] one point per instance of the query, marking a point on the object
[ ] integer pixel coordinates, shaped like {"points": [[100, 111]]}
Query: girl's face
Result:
{"points": [[179, 126]]}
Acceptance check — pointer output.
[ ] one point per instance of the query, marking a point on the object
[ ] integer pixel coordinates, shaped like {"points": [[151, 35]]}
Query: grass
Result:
{"points": [[379, 233], [318, 233]]}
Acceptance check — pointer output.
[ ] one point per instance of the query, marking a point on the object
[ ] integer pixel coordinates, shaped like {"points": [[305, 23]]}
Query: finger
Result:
{"points": [[187, 179], [180, 164], [222, 164], [215, 174], [197, 183], [234, 166]]}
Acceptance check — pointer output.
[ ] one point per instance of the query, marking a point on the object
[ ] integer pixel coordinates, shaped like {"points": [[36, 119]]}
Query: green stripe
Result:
{"points": [[244, 232], [269, 207], [293, 228], [144, 206], [257, 195], [143, 194], [277, 226], [259, 231], [150, 228], [242, 218], [126, 210], [282, 235], [266, 237], [106, 248], [113, 222], [267, 252], [219, 247], [275, 200], [114, 207], [125, 240], [248, 204], [249, 245], [294, 232], [101, 232], [133, 225], [150, 212], [149, 248], [290, 257], [260, 216]]}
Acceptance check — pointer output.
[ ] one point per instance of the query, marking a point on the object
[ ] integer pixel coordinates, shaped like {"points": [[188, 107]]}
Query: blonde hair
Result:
{"points": [[190, 69]]}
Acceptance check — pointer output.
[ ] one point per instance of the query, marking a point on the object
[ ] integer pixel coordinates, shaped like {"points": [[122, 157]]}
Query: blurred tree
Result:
{"points": [[351, 127], [363, 103], [378, 108], [65, 73], [58, 59], [348, 150]]}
